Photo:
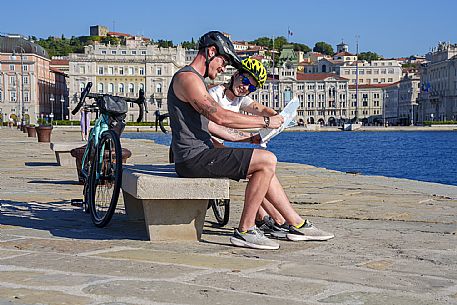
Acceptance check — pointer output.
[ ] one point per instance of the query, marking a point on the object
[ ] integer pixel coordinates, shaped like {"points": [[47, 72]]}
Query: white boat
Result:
{"points": [[351, 126]]}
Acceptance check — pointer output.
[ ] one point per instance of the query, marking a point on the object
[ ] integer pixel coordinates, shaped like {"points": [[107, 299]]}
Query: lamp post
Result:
{"points": [[51, 115], [22, 83], [62, 101]]}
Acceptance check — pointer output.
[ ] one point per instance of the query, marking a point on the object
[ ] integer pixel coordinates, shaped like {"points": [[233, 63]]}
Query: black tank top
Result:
{"points": [[189, 128]]}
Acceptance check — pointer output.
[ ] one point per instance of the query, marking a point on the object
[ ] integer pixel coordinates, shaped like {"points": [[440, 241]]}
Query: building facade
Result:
{"points": [[28, 85], [438, 97], [123, 71]]}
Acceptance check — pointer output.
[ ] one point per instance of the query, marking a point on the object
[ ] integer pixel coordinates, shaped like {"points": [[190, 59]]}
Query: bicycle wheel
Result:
{"points": [[221, 209], [106, 179]]}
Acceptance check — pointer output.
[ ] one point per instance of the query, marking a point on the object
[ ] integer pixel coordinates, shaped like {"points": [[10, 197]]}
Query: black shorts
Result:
{"points": [[232, 163]]}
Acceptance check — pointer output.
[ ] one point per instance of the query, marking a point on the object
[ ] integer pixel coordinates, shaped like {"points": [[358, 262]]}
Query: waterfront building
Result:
{"points": [[438, 96], [368, 108], [323, 97], [391, 104], [408, 93], [124, 70], [375, 72], [28, 85]]}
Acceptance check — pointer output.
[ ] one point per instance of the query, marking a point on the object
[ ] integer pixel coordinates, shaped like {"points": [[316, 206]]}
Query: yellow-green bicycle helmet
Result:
{"points": [[256, 69]]}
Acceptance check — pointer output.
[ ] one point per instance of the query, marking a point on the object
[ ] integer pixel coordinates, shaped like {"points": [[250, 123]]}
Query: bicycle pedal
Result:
{"points": [[77, 202]]}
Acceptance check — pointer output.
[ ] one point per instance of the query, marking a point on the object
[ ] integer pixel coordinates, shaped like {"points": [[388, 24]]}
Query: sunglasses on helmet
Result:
{"points": [[245, 81]]}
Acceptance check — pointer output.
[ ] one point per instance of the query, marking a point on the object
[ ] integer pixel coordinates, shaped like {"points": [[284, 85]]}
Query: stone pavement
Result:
{"points": [[395, 241]]}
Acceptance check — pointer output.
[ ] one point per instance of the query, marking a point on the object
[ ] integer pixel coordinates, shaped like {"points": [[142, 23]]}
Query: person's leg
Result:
{"points": [[261, 170], [267, 209], [278, 198]]}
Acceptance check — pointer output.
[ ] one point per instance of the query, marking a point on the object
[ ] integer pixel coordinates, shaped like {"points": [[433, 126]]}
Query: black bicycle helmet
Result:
{"points": [[223, 45]]}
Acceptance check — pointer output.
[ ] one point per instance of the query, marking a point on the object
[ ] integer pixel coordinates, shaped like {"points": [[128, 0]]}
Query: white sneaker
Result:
{"points": [[253, 239], [308, 232]]}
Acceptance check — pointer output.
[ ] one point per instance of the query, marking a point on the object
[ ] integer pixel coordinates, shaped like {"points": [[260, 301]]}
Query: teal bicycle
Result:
{"points": [[101, 166]]}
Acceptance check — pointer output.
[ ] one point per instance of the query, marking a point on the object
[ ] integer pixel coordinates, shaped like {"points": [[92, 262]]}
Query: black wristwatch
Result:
{"points": [[266, 119]]}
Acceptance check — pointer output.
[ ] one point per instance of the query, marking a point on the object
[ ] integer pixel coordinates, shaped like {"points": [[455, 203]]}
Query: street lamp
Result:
{"points": [[62, 101], [51, 115], [22, 83]]}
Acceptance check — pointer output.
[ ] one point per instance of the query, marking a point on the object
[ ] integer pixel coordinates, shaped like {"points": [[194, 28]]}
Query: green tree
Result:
{"points": [[369, 56], [323, 47], [165, 43], [301, 47], [189, 44]]}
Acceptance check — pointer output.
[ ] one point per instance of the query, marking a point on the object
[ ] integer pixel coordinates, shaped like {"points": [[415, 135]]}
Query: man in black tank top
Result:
{"points": [[190, 107]]}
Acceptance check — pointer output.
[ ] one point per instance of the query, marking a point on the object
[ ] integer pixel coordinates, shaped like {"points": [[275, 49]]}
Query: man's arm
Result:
{"points": [[230, 134], [189, 88]]}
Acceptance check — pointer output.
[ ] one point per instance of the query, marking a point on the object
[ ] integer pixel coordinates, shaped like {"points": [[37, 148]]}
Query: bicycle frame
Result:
{"points": [[101, 125]]}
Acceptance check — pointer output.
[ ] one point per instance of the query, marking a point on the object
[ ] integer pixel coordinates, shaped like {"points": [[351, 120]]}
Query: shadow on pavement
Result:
{"points": [[63, 220], [61, 182], [41, 164]]}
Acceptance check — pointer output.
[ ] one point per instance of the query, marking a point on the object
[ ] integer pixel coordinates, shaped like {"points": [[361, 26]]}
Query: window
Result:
{"points": [[159, 71], [100, 88], [120, 88], [100, 70], [141, 71], [111, 70], [121, 70], [13, 81], [131, 71], [131, 88], [390, 80], [143, 52], [26, 97], [133, 52], [110, 88], [25, 67], [124, 52], [25, 79], [82, 86], [103, 51], [82, 69], [13, 96], [11, 67], [113, 52], [159, 88]]}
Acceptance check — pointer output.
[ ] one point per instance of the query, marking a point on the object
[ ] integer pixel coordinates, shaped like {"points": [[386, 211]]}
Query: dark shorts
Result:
{"points": [[232, 163]]}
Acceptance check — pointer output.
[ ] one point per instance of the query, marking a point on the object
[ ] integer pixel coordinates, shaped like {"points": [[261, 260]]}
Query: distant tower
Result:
{"points": [[98, 30], [342, 47]]}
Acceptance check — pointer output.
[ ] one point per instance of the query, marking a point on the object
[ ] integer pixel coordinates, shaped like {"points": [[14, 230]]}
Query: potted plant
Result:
{"points": [[31, 131], [43, 131]]}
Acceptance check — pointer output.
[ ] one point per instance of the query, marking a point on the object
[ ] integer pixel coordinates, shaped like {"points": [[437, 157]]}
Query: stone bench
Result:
{"points": [[62, 151], [173, 208]]}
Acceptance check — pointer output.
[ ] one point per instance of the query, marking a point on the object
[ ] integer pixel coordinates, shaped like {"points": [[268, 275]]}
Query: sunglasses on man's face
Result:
{"points": [[245, 81]]}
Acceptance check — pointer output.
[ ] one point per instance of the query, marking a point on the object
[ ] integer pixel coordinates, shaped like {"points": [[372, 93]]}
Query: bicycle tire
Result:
{"points": [[221, 209], [86, 167], [109, 173]]}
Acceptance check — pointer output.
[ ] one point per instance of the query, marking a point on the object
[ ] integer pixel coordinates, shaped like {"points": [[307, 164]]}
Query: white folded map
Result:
{"points": [[289, 113]]}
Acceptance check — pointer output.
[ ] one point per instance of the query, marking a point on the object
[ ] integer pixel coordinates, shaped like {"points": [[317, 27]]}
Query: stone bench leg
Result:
{"points": [[169, 219], [64, 158]]}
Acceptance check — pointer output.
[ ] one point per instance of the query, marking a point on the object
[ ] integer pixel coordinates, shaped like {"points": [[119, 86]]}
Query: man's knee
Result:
{"points": [[264, 159]]}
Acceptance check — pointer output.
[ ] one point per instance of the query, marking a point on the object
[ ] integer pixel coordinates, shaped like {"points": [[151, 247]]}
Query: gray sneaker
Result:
{"points": [[308, 232], [253, 239], [271, 228]]}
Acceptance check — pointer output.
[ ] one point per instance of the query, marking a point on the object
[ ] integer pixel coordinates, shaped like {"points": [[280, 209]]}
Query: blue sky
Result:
{"points": [[389, 28]]}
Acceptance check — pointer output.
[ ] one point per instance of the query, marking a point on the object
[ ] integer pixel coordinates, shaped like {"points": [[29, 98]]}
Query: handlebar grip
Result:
{"points": [[82, 98]]}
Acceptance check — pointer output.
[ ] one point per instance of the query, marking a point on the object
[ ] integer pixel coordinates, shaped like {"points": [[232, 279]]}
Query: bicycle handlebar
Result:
{"points": [[82, 98], [140, 101]]}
